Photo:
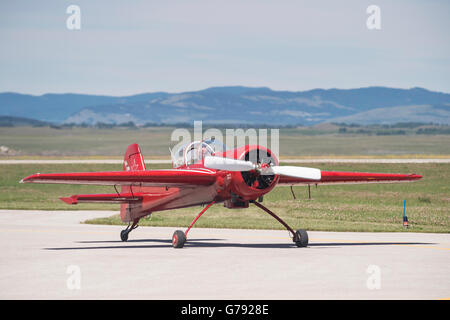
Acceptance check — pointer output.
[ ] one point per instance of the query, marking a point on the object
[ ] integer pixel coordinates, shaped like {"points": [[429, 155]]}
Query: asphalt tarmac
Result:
{"points": [[50, 255]]}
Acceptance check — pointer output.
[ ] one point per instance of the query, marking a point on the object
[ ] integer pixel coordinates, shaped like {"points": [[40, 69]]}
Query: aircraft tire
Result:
{"points": [[301, 239], [178, 239], [124, 235]]}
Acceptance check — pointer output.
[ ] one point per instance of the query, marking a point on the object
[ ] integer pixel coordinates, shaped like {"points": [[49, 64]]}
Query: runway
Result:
{"points": [[50, 255]]}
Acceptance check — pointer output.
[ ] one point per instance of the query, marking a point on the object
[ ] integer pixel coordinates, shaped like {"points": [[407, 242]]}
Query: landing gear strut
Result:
{"points": [[124, 233], [300, 237], [179, 237]]}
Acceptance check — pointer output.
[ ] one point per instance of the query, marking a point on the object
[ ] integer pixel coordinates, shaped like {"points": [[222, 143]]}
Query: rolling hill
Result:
{"points": [[237, 105]]}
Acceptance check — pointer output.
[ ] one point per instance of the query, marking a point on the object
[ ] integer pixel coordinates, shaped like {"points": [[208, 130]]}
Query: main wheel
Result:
{"points": [[301, 238], [178, 239], [124, 235]]}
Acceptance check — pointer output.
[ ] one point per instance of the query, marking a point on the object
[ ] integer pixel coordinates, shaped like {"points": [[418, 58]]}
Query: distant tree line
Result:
{"points": [[406, 125], [401, 128], [433, 131]]}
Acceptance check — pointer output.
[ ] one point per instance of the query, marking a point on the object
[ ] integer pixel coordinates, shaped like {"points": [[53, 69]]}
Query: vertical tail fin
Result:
{"points": [[133, 160]]}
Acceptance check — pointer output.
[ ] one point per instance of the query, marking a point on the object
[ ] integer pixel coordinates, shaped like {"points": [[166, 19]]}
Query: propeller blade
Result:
{"points": [[296, 172], [220, 163]]}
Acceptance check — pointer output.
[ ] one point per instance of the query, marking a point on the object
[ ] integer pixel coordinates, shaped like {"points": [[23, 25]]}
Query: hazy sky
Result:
{"points": [[128, 47]]}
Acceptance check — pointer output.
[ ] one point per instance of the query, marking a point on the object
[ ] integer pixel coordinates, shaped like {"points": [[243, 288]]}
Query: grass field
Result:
{"points": [[155, 142], [333, 208]]}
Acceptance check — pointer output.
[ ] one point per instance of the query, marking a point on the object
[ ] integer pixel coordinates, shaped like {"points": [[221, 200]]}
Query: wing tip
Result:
{"points": [[29, 178]]}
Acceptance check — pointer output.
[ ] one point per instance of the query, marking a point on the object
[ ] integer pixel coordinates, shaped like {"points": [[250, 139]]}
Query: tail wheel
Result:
{"points": [[124, 235], [178, 239], [301, 238]]}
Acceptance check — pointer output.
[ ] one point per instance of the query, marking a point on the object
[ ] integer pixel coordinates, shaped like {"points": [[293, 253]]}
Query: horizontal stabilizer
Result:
{"points": [[113, 197], [117, 197]]}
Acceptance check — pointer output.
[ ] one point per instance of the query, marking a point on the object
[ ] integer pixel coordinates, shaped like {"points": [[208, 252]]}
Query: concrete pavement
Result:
{"points": [[50, 255]]}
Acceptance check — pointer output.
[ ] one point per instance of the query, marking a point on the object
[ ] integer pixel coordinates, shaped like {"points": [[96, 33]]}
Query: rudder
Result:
{"points": [[133, 160]]}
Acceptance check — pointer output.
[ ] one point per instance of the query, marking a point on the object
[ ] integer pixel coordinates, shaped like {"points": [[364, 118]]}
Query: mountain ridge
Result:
{"points": [[236, 104]]}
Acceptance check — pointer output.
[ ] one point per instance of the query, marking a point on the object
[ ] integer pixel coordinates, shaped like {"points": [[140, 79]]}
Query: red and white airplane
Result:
{"points": [[204, 173]]}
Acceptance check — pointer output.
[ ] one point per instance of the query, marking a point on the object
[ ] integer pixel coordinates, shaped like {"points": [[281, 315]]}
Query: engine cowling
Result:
{"points": [[250, 185]]}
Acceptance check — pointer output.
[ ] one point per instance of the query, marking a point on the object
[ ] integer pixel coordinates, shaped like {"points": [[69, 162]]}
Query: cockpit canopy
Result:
{"points": [[195, 151]]}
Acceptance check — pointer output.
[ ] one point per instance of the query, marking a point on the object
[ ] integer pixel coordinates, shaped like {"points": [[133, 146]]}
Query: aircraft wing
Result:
{"points": [[341, 177], [157, 178]]}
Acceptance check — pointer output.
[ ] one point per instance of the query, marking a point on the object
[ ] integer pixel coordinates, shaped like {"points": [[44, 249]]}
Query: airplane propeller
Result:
{"points": [[220, 163]]}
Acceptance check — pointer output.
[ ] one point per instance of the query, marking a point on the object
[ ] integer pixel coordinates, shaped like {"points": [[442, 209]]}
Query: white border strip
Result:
{"points": [[110, 161]]}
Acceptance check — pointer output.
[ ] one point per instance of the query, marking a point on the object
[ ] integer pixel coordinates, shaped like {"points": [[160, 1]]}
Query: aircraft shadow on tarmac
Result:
{"points": [[208, 243]]}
